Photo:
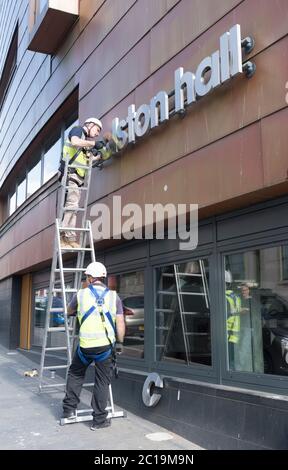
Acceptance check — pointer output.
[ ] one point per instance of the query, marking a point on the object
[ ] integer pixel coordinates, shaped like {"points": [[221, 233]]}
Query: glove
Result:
{"points": [[119, 348], [99, 144]]}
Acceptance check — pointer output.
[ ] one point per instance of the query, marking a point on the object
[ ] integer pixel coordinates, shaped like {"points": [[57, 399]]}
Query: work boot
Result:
{"points": [[73, 244], [64, 242], [105, 424], [69, 414]]}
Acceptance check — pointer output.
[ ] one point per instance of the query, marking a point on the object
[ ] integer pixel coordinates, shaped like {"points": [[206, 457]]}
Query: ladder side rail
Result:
{"points": [[64, 184], [205, 284], [86, 197], [181, 309], [91, 241], [47, 319], [60, 261]]}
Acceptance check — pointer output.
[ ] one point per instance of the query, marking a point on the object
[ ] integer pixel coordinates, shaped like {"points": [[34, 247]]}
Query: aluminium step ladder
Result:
{"points": [[60, 286], [183, 313], [175, 308]]}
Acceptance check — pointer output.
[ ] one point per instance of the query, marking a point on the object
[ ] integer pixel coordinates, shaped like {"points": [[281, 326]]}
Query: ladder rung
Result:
{"points": [[82, 188], [55, 367], [191, 293], [53, 385], [78, 209], [79, 166], [190, 274], [56, 328], [162, 328], [66, 229], [57, 348], [59, 328], [166, 292], [69, 270], [66, 290], [196, 334], [57, 310], [165, 310], [76, 249], [192, 313]]}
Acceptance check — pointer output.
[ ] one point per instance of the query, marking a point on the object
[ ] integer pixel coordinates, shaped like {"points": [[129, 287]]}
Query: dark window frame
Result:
{"points": [[9, 68]]}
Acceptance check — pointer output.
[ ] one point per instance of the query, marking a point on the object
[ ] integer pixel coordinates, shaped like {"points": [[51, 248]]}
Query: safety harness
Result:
{"points": [[88, 358]]}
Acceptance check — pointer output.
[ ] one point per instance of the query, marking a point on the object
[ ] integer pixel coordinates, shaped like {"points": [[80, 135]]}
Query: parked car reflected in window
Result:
{"points": [[130, 287], [275, 332], [133, 306]]}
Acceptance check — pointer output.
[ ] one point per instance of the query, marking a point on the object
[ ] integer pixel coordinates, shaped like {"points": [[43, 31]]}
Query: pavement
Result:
{"points": [[30, 421]]}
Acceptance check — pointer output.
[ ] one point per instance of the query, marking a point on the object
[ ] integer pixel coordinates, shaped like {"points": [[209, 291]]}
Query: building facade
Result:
{"points": [[212, 321]]}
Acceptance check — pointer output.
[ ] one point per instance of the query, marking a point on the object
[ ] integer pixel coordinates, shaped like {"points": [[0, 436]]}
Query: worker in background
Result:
{"points": [[233, 308], [100, 315], [78, 148]]}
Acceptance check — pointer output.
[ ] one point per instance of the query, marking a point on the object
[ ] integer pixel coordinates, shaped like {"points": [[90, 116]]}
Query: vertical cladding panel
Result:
{"points": [[26, 293], [183, 24], [5, 311], [275, 145]]}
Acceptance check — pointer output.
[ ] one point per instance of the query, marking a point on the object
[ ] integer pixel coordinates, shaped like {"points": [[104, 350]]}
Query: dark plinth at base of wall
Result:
{"points": [[210, 417]]}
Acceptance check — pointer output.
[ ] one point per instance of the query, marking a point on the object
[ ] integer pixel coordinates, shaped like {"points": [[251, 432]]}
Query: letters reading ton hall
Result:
{"points": [[223, 64]]}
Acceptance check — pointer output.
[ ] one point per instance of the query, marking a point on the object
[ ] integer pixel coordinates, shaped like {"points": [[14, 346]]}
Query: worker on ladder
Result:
{"points": [[77, 150], [100, 315]]}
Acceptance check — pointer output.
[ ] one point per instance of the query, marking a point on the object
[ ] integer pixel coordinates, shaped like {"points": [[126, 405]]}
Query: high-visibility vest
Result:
{"points": [[233, 321], [94, 330], [69, 151]]}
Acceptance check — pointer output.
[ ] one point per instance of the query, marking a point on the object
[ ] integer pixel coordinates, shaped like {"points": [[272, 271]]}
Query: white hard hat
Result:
{"points": [[228, 276], [96, 270], [94, 121]]}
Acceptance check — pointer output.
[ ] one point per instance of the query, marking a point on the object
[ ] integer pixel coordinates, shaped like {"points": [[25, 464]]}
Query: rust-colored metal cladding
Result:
{"points": [[275, 144]]}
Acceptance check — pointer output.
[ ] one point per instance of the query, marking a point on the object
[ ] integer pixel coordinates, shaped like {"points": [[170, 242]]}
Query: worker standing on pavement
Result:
{"points": [[100, 315], [77, 149]]}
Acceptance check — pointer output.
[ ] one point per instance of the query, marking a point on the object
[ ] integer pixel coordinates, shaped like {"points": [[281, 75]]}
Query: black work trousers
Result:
{"points": [[75, 380]]}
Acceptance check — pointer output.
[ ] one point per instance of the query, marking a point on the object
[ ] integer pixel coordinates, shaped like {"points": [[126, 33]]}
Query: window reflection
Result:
{"points": [[34, 179], [21, 193], [130, 288], [183, 313], [56, 318], [12, 204], [257, 322], [51, 160]]}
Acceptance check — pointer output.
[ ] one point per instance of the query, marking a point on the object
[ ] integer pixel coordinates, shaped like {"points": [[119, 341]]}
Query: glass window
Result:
{"points": [[41, 296], [257, 313], [183, 313], [66, 132], [51, 160], [284, 265], [130, 288], [12, 203], [21, 193], [56, 319], [41, 5], [34, 179]]}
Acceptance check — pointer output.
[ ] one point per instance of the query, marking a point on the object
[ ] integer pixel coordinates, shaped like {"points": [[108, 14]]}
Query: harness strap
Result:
{"points": [[100, 302], [87, 314], [88, 358]]}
